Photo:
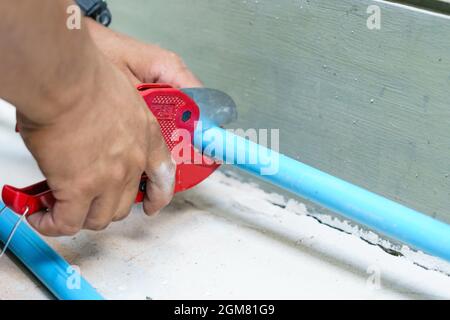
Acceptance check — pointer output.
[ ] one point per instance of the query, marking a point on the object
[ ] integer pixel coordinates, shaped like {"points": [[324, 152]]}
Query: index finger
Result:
{"points": [[186, 79]]}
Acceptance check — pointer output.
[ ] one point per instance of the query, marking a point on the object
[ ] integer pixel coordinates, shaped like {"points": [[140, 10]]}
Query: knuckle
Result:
{"points": [[174, 58], [72, 189], [175, 61], [82, 188], [119, 173], [68, 230], [97, 225], [163, 177]]}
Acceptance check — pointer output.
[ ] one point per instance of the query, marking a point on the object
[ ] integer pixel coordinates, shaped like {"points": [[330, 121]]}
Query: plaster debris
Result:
{"points": [[291, 206], [165, 174]]}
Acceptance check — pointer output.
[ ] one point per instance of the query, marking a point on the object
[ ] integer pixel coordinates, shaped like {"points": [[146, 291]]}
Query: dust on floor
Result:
{"points": [[226, 239]]}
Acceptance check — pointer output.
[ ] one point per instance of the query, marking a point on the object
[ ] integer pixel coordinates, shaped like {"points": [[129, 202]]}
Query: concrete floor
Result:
{"points": [[224, 239]]}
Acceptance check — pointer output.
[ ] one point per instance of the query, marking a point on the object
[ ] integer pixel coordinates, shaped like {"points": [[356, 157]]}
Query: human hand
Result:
{"points": [[94, 151], [142, 62]]}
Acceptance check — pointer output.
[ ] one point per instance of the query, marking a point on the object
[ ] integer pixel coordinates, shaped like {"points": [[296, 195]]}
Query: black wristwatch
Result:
{"points": [[97, 10]]}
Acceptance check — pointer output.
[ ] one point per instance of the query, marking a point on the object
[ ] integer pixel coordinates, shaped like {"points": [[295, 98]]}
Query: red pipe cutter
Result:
{"points": [[174, 109]]}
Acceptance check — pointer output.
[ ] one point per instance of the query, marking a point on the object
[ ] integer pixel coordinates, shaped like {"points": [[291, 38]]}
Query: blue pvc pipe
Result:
{"points": [[48, 266], [385, 216], [355, 203]]}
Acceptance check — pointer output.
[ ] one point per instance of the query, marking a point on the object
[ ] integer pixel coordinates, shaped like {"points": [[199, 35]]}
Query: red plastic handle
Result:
{"points": [[174, 110]]}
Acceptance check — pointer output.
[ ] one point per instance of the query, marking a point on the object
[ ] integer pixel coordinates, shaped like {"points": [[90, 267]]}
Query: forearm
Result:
{"points": [[45, 66]]}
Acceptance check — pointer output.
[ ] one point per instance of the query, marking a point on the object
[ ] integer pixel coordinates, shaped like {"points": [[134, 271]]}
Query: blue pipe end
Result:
{"points": [[55, 273]]}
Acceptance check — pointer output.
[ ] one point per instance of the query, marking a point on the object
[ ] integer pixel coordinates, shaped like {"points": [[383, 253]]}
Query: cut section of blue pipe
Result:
{"points": [[376, 212], [48, 266]]}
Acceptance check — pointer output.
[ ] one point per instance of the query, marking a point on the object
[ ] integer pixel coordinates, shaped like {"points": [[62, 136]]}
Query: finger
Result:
{"points": [[160, 185], [174, 72], [128, 199], [186, 79], [159, 193], [65, 219], [131, 77], [103, 209]]}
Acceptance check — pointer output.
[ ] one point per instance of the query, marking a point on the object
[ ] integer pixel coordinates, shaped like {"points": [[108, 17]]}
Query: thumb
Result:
{"points": [[161, 172]]}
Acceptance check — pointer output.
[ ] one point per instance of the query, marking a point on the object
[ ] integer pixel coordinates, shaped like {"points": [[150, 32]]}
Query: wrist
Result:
{"points": [[113, 45]]}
